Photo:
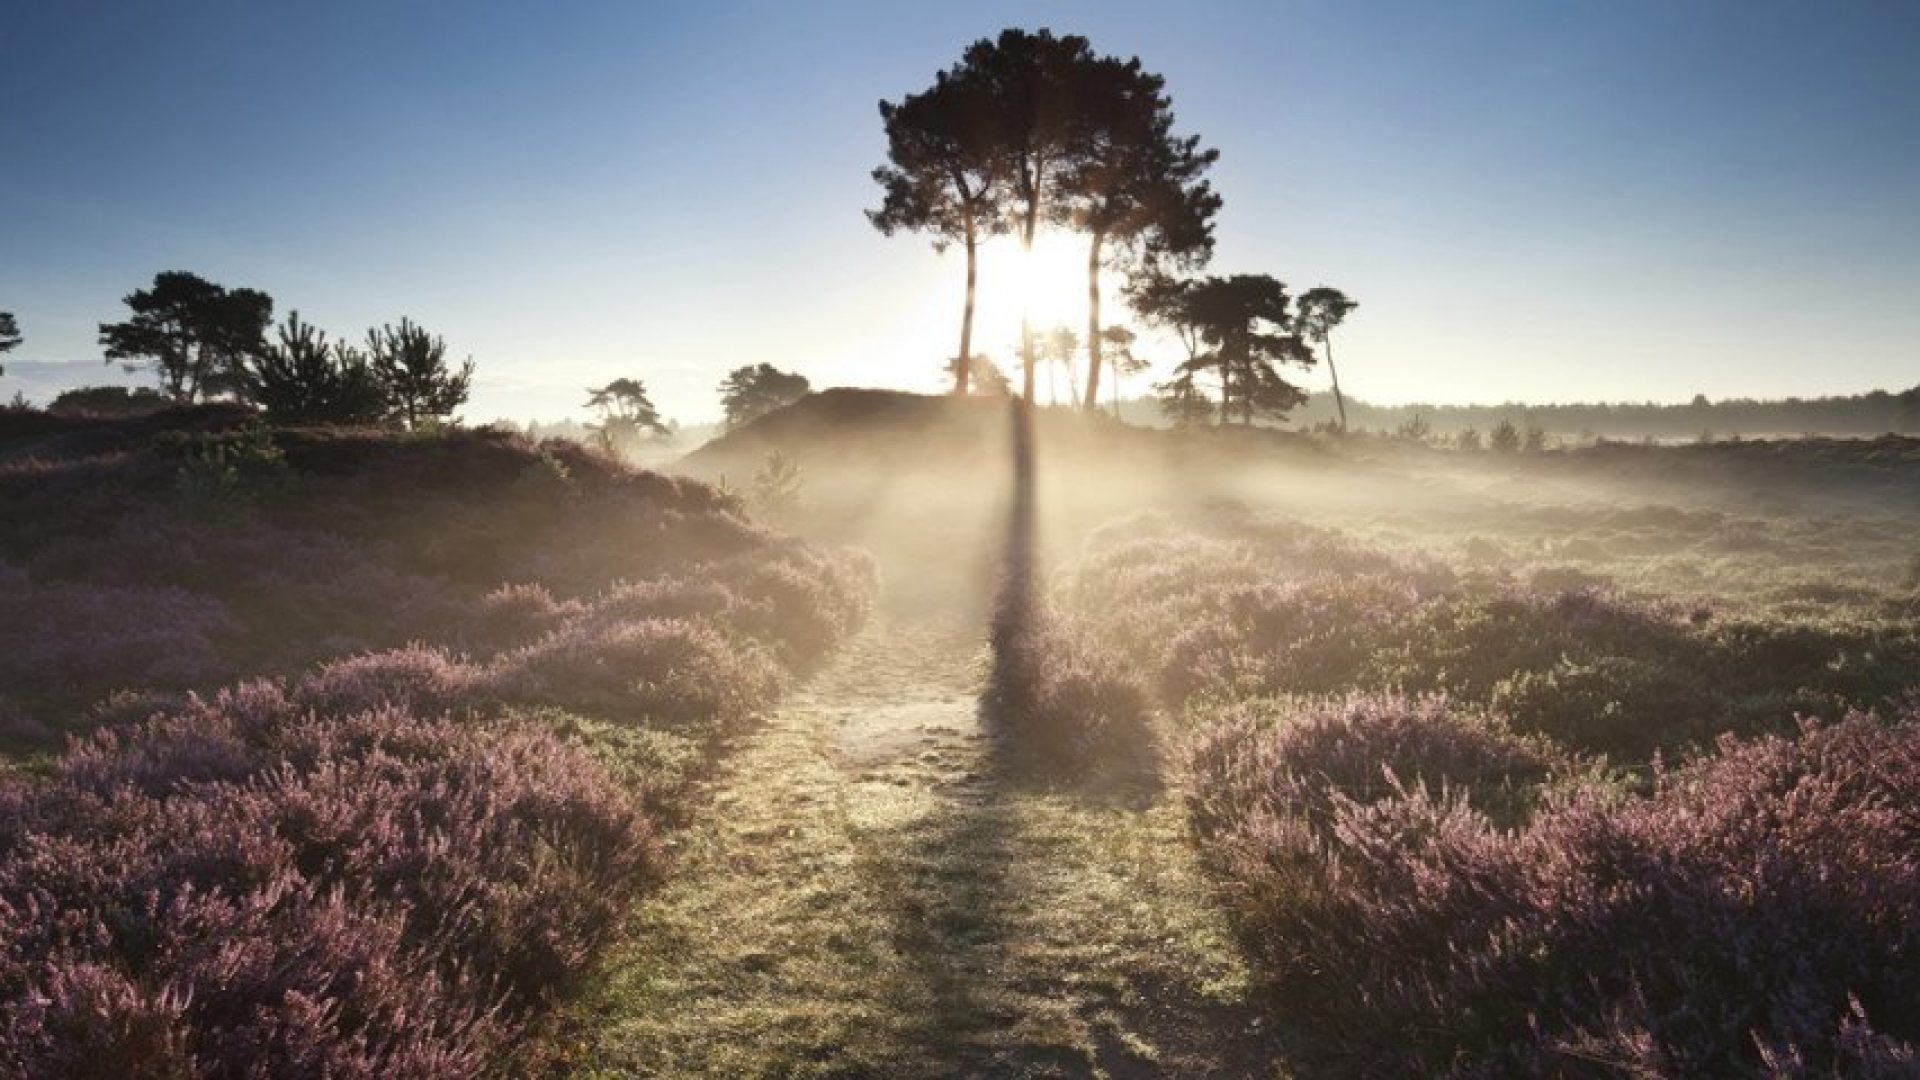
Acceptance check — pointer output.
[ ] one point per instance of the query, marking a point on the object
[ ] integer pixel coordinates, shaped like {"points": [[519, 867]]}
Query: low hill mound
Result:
{"points": [[848, 427], [182, 551]]}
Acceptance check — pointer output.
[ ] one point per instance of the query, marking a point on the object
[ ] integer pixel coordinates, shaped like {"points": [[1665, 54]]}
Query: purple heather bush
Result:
{"points": [[112, 580], [429, 807], [514, 614], [1270, 758], [667, 597], [800, 601], [74, 642], [681, 674], [1274, 609], [423, 679], [1064, 705], [244, 888], [1751, 913]]}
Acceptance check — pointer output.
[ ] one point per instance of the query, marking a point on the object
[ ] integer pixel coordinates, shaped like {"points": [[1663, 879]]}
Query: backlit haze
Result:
{"points": [[1530, 201]]}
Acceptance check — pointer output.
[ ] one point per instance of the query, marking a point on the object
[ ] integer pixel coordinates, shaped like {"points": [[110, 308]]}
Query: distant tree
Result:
{"points": [[1320, 311], [1118, 341], [984, 377], [1505, 437], [1133, 187], [411, 368], [943, 177], [108, 401], [1415, 429], [1467, 439], [778, 485], [626, 414], [195, 333], [1238, 330], [1266, 393], [304, 379], [1034, 83], [1166, 301], [1183, 403], [755, 390], [1057, 349], [10, 338], [1536, 439]]}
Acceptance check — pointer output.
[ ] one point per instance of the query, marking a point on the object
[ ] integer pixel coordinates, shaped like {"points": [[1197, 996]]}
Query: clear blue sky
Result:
{"points": [[1531, 200]]}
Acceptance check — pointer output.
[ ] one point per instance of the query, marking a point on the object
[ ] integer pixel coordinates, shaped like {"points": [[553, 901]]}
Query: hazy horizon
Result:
{"points": [[1531, 204]]}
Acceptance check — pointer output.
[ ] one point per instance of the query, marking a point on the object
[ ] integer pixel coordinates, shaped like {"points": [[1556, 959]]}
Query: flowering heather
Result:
{"points": [[675, 673], [799, 601], [389, 851], [1752, 912], [1300, 638], [1266, 758], [113, 581], [514, 614], [418, 678], [1062, 703], [242, 888], [670, 597], [69, 642], [1279, 609]]}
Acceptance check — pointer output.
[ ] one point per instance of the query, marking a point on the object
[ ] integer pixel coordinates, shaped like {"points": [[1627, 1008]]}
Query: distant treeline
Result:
{"points": [[1876, 413]]}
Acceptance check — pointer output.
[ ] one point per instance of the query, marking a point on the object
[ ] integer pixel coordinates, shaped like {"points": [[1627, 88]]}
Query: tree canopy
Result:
{"points": [[1133, 187], [1031, 129], [1320, 311], [983, 378], [1239, 331], [411, 367], [9, 335], [195, 333], [942, 176], [304, 379], [757, 389], [626, 414], [108, 401]]}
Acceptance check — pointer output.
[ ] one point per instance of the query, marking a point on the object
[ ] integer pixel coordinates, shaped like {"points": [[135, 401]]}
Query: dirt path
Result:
{"points": [[866, 897]]}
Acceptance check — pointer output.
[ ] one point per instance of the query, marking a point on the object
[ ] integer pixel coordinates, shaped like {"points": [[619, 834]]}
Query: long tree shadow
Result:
{"points": [[1014, 910], [943, 876], [952, 908], [1015, 623]]}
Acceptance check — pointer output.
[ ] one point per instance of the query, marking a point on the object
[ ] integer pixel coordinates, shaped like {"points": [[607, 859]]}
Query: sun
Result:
{"points": [[1050, 282], [1047, 285]]}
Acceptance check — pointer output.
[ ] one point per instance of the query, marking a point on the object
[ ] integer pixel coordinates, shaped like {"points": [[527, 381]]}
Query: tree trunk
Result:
{"points": [[1026, 251], [1338, 401], [963, 369], [1093, 322], [1226, 390], [1026, 358]]}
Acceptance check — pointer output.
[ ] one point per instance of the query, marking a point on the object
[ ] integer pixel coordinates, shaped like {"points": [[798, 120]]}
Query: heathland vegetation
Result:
{"points": [[370, 738], [1570, 761], [345, 740]]}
